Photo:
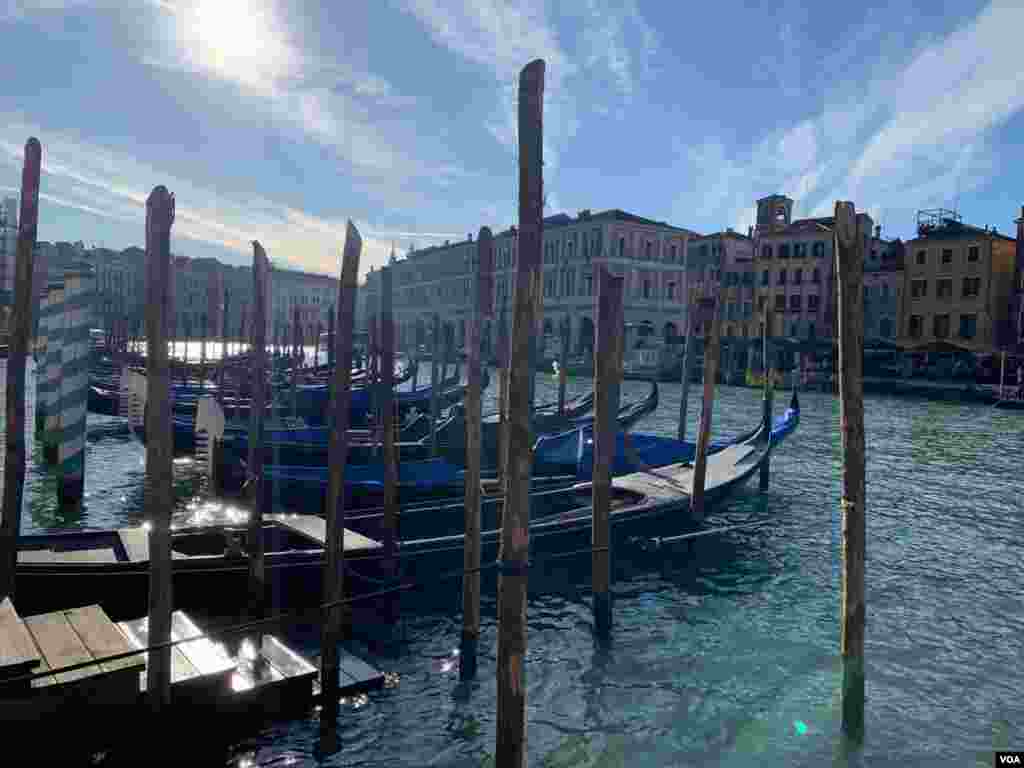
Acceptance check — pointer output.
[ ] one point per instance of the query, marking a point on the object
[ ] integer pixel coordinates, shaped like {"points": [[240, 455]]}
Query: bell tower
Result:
{"points": [[774, 213]]}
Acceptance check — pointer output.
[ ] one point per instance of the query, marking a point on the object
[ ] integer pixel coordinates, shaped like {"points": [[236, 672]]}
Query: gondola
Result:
{"points": [[209, 564]]}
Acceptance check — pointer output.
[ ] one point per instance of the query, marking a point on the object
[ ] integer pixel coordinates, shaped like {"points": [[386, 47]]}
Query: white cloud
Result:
{"points": [[114, 186], [914, 135]]}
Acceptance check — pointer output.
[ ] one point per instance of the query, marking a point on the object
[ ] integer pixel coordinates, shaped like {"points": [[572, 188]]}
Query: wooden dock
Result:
{"points": [[255, 673]]}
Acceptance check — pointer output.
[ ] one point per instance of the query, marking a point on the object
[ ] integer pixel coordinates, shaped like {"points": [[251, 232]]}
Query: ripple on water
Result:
{"points": [[723, 647]]}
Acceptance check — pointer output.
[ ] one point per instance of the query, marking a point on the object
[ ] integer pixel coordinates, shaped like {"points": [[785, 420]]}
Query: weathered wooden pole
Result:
{"points": [[474, 446], [223, 344], [1002, 374], [435, 384], [159, 499], [330, 337], [563, 361], [20, 330], [257, 408], [337, 453], [316, 348], [503, 368], [608, 348], [689, 356], [510, 748], [387, 407], [296, 359], [851, 232], [769, 395], [713, 310]]}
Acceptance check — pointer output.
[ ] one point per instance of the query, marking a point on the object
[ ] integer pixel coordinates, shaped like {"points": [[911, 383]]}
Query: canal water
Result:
{"points": [[725, 651]]}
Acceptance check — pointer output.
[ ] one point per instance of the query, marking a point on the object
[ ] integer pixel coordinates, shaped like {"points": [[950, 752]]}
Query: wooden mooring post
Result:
{"points": [[21, 329], [159, 499], [851, 233], [387, 407], [337, 453], [257, 416], [298, 353], [510, 747], [689, 355], [474, 445], [563, 361], [435, 383], [713, 323], [769, 394], [608, 349], [503, 367]]}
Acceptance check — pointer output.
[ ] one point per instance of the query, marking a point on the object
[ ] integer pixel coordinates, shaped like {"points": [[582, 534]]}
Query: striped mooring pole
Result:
{"points": [[74, 382], [51, 383], [42, 375]]}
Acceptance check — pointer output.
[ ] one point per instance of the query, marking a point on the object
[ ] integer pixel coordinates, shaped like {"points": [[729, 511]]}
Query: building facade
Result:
{"points": [[883, 291], [722, 264], [1017, 308], [649, 255], [958, 284]]}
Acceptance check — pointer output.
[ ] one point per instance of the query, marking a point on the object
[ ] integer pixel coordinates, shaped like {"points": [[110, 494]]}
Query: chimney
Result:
{"points": [[878, 232], [750, 229]]}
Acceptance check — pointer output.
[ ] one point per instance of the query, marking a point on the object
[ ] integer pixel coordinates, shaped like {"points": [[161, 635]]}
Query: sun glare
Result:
{"points": [[237, 40]]}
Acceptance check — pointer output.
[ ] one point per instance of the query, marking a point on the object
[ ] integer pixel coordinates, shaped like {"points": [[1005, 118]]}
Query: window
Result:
{"points": [[672, 253], [921, 258], [941, 326], [944, 289], [794, 303], [782, 277], [818, 249], [670, 291], [588, 283], [780, 303], [764, 278], [799, 250], [622, 247], [812, 303], [766, 251], [972, 253], [784, 251], [947, 256], [816, 276], [798, 276], [570, 283], [811, 331], [748, 310], [918, 289], [968, 326], [914, 326], [867, 293], [650, 249], [647, 285], [885, 328], [972, 286], [885, 290], [731, 311]]}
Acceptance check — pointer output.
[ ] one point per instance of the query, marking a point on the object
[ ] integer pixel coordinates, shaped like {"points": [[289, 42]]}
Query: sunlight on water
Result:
{"points": [[726, 650]]}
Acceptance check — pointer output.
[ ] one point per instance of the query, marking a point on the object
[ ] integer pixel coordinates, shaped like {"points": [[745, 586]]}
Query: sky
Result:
{"points": [[279, 121]]}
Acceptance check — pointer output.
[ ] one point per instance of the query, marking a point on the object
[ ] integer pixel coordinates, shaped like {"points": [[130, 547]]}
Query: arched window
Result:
{"points": [[766, 251]]}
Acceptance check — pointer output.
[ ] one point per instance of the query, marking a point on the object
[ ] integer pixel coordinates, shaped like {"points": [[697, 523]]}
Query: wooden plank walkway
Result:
{"points": [[18, 654], [61, 639]]}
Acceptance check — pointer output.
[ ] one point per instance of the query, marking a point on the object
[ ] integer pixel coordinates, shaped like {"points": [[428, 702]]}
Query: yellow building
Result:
{"points": [[957, 284]]}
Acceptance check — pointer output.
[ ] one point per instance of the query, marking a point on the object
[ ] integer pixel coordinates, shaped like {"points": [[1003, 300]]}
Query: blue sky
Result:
{"points": [[277, 121]]}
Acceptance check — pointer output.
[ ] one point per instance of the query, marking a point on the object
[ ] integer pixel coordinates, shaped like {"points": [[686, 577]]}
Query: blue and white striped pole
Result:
{"points": [[79, 294], [41, 360], [51, 384]]}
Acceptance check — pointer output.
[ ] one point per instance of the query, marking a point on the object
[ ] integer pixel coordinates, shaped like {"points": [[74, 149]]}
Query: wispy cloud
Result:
{"points": [[113, 185], [915, 135], [614, 44]]}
